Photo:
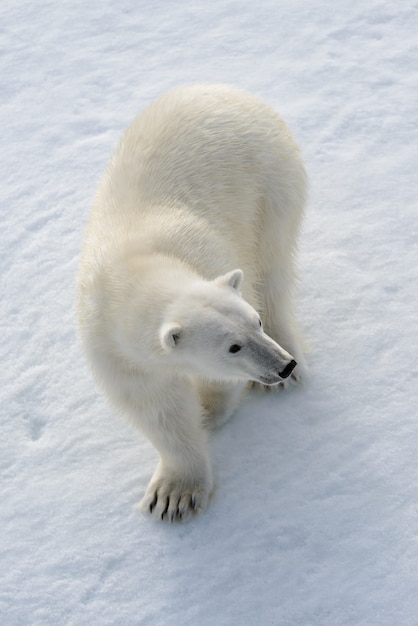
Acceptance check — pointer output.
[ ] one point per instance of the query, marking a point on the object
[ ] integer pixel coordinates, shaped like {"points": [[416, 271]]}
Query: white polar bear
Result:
{"points": [[207, 179]]}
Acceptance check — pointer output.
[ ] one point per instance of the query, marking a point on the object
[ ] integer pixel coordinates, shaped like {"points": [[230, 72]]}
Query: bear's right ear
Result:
{"points": [[170, 335], [232, 279]]}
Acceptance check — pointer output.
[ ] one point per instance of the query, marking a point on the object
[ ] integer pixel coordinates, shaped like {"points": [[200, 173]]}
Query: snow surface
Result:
{"points": [[315, 517]]}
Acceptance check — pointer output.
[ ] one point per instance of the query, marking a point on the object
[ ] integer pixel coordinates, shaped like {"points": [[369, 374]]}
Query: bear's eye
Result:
{"points": [[260, 323], [234, 348]]}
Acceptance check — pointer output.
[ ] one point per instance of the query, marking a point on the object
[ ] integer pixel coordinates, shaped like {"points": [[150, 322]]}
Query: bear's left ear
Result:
{"points": [[232, 279], [170, 334]]}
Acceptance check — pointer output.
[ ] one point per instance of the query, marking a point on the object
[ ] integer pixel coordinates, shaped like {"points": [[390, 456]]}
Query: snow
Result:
{"points": [[315, 520]]}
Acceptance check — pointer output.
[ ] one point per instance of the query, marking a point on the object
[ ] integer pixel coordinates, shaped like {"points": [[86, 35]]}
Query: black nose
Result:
{"points": [[288, 369]]}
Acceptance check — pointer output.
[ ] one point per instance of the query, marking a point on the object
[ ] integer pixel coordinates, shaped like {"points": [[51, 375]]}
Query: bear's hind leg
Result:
{"points": [[279, 321], [219, 401], [275, 292], [281, 215]]}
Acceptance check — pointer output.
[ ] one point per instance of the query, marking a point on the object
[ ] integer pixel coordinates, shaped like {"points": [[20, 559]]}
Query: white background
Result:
{"points": [[315, 520]]}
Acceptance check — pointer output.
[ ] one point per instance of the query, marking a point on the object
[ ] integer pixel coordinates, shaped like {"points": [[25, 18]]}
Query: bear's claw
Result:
{"points": [[174, 502]]}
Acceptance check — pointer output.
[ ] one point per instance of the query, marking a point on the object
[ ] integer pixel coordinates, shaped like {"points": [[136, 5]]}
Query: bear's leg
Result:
{"points": [[182, 483], [219, 401], [279, 227], [278, 318]]}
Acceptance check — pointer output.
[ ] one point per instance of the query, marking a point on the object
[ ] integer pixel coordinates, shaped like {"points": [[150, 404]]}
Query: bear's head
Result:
{"points": [[212, 332]]}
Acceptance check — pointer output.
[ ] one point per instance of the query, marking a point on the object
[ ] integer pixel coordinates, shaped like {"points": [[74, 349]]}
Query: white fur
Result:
{"points": [[207, 179]]}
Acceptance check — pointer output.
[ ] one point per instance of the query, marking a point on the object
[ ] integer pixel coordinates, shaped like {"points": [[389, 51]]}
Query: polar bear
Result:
{"points": [[206, 180]]}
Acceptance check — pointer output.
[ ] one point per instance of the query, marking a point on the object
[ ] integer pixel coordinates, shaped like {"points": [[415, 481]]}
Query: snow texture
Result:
{"points": [[315, 520]]}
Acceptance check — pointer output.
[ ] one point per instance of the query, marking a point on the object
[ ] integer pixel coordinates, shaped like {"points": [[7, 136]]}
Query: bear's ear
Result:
{"points": [[170, 335], [232, 279]]}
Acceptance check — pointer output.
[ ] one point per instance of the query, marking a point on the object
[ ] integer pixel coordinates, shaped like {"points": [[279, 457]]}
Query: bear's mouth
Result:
{"points": [[269, 380]]}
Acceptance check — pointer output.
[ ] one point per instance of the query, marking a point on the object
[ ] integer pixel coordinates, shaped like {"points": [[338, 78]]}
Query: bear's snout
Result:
{"points": [[288, 369]]}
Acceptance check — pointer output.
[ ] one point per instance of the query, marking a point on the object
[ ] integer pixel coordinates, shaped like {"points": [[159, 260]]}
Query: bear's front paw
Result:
{"points": [[175, 499]]}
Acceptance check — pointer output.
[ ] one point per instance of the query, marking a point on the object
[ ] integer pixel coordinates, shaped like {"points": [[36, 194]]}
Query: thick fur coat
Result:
{"points": [[187, 276]]}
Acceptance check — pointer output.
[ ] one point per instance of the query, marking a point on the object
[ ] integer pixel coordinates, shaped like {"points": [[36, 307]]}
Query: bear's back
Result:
{"points": [[194, 177], [203, 146]]}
